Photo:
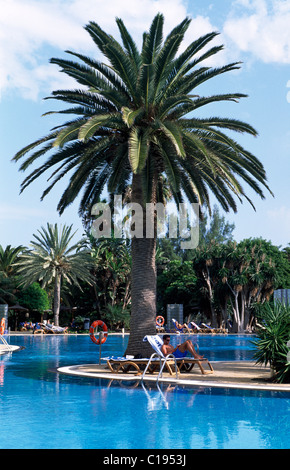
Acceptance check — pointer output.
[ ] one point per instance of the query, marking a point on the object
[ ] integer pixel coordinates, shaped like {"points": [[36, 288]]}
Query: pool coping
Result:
{"points": [[11, 348], [248, 381], [244, 379]]}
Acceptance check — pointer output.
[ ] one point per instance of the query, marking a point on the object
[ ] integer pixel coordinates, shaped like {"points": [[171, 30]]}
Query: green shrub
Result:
{"points": [[116, 317], [271, 344]]}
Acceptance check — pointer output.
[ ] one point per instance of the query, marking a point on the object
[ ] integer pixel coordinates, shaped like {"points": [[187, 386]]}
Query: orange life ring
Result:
{"points": [[105, 329], [2, 326], [159, 323]]}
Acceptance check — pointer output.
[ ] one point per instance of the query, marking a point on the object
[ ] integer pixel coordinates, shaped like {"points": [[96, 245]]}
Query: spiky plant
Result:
{"points": [[272, 344]]}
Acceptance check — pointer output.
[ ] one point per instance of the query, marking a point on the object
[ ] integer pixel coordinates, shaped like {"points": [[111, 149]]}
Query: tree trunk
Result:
{"points": [[207, 279], [143, 284], [56, 299], [143, 313], [237, 327]]}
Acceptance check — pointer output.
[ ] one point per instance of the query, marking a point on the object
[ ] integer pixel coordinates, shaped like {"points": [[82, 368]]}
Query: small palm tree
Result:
{"points": [[8, 257], [52, 260]]}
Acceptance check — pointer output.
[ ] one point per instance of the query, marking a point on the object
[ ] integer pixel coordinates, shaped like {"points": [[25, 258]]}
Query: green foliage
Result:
{"points": [[116, 317], [132, 117], [215, 229], [112, 272], [52, 260], [34, 298], [51, 255], [273, 336], [176, 284], [8, 257], [7, 289]]}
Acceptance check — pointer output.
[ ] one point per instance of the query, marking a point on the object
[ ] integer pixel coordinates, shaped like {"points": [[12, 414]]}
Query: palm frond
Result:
{"points": [[129, 44], [138, 149]]}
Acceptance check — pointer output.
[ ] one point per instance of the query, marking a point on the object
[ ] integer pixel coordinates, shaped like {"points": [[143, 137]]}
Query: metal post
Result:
{"points": [[101, 335]]}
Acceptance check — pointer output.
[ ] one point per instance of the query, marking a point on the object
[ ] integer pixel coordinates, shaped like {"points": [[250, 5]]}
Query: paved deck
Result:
{"points": [[241, 375]]}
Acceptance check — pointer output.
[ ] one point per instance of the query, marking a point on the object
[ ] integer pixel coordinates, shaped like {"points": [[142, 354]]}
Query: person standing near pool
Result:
{"points": [[181, 350]]}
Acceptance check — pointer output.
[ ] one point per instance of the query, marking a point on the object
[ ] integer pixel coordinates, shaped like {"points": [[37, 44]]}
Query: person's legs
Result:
{"points": [[188, 346]]}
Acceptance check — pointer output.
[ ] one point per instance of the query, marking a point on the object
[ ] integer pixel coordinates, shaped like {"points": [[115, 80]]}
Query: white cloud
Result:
{"points": [[261, 28], [31, 31]]}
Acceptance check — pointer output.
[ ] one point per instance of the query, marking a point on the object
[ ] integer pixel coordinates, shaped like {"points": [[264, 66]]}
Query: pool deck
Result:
{"points": [[238, 375]]}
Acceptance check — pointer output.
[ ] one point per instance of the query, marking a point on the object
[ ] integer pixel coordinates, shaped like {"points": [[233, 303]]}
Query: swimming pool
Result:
{"points": [[42, 409]]}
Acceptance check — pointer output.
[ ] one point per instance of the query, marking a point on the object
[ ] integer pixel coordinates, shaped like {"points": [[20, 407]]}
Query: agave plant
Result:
{"points": [[273, 336]]}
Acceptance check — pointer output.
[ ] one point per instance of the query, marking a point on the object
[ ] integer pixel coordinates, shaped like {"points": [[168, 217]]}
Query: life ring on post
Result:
{"points": [[2, 326], [159, 321], [92, 334]]}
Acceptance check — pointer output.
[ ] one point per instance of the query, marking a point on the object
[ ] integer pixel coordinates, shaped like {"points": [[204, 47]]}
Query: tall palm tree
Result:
{"points": [[52, 260], [135, 119]]}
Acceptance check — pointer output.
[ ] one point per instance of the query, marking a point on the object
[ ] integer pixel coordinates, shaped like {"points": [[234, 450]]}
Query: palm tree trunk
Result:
{"points": [[143, 313], [56, 299]]}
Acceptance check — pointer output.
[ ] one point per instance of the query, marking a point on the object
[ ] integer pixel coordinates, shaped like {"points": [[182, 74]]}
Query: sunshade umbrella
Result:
{"points": [[19, 308]]}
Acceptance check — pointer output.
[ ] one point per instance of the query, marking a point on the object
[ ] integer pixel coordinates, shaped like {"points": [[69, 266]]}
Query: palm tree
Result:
{"points": [[52, 260], [136, 119], [8, 257]]}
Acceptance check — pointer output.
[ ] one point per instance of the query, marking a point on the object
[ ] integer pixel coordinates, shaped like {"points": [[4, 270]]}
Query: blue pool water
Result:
{"points": [[42, 409]]}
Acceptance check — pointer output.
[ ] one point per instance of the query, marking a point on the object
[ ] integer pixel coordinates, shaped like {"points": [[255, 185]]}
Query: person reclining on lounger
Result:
{"points": [[181, 350]]}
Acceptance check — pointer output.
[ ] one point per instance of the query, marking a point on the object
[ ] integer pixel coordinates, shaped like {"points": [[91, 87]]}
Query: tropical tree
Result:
{"points": [[234, 277], [251, 270], [7, 289], [8, 257], [215, 229], [34, 298], [112, 272], [135, 120], [206, 262], [51, 260]]}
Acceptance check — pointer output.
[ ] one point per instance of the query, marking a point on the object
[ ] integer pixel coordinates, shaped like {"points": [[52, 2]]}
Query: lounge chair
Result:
{"points": [[124, 364], [186, 363], [210, 329], [47, 328], [182, 330], [143, 365], [195, 327]]}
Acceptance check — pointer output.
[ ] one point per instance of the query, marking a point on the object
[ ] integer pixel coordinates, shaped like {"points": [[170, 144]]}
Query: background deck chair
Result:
{"points": [[195, 327], [214, 330], [47, 328], [184, 329], [160, 329], [186, 363]]}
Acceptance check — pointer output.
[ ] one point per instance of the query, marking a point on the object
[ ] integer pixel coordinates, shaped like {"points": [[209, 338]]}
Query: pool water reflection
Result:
{"points": [[42, 409]]}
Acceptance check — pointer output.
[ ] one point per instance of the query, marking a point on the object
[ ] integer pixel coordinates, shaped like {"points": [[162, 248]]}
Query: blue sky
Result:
{"points": [[254, 31]]}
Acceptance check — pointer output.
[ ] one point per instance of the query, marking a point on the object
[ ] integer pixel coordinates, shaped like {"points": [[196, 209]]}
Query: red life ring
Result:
{"points": [[2, 326], [161, 322], [105, 329]]}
